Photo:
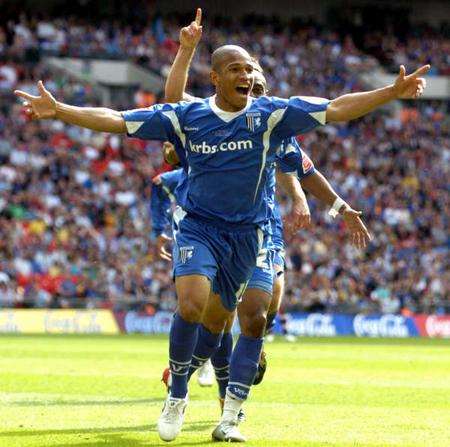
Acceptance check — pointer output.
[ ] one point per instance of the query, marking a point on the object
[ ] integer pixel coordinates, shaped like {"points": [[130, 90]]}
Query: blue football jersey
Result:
{"points": [[169, 191], [229, 154], [293, 160]]}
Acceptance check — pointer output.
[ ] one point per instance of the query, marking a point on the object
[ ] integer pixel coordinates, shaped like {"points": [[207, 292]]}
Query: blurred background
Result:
{"points": [[75, 205]]}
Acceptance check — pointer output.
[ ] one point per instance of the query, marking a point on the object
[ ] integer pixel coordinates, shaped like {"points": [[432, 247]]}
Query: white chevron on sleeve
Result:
{"points": [[319, 116], [133, 126]]}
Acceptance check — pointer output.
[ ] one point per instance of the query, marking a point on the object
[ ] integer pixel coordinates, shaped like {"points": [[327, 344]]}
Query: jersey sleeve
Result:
{"points": [[159, 122], [170, 181], [293, 160], [298, 115]]}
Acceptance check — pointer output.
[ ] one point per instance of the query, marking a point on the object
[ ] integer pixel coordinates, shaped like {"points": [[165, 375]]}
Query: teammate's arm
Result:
{"points": [[300, 214], [159, 207], [160, 217], [178, 75], [319, 187], [355, 105], [45, 106], [295, 163]]}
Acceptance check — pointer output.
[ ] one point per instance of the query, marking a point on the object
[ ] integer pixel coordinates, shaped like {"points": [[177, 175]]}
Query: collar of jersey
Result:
{"points": [[227, 116]]}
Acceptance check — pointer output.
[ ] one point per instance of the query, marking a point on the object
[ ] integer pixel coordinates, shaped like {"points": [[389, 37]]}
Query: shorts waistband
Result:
{"points": [[229, 226]]}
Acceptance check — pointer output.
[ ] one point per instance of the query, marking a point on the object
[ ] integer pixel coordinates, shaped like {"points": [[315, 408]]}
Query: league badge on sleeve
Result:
{"points": [[307, 164]]}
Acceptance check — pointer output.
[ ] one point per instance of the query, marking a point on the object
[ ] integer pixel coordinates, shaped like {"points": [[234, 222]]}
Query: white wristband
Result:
{"points": [[337, 205]]}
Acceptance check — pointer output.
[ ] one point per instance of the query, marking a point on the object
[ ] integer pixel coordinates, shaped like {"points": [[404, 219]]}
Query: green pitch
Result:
{"points": [[92, 391]]}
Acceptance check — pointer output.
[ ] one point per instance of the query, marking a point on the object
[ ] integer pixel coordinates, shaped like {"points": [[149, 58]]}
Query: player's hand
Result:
{"points": [[161, 250], [190, 35], [298, 218], [411, 86], [169, 153], [359, 234], [38, 107], [301, 216]]}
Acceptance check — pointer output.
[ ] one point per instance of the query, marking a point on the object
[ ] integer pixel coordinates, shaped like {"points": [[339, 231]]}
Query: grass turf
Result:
{"points": [[84, 391]]}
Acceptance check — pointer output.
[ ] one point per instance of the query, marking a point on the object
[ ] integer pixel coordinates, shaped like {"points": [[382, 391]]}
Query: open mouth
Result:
{"points": [[242, 90]]}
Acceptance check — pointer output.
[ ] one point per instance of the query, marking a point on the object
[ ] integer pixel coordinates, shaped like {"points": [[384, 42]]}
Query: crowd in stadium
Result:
{"points": [[154, 42], [425, 47], [74, 206]]}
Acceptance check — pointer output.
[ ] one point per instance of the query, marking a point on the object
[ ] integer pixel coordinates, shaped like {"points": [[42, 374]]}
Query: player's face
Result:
{"points": [[259, 85], [234, 82]]}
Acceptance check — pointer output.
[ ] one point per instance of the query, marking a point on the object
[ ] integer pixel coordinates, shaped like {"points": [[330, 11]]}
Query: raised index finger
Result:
{"points": [[198, 16], [24, 95], [420, 71]]}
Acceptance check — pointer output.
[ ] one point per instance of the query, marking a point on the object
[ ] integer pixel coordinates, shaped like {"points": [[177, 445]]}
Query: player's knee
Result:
{"points": [[190, 310], [255, 325]]}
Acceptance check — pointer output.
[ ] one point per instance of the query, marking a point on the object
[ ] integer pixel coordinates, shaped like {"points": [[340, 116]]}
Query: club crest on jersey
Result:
{"points": [[186, 253], [253, 120]]}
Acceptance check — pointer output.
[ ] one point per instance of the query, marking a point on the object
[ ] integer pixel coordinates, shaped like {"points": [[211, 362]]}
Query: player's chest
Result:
{"points": [[219, 138]]}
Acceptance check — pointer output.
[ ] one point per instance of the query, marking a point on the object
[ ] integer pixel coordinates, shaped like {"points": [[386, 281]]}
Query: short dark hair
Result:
{"points": [[220, 54]]}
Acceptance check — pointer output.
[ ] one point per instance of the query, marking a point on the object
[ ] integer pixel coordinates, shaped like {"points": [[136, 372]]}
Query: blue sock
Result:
{"points": [[243, 366], [207, 344], [221, 362], [183, 337]]}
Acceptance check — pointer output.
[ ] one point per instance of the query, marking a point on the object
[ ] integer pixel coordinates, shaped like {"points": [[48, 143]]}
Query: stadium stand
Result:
{"points": [[74, 230], [425, 46]]}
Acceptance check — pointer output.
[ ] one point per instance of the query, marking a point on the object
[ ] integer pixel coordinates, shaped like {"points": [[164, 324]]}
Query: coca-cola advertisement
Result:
{"points": [[314, 324], [317, 325], [395, 326], [138, 322], [433, 325]]}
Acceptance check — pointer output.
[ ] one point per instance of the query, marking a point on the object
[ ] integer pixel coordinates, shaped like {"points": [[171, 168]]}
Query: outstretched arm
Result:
{"points": [[45, 106], [178, 75], [319, 187], [355, 105]]}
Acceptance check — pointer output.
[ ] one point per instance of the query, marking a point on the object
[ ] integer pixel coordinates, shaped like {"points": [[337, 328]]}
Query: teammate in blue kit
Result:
{"points": [[164, 195], [229, 143]]}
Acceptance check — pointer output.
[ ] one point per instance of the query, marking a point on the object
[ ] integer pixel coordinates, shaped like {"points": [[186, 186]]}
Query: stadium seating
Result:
{"points": [[74, 230]]}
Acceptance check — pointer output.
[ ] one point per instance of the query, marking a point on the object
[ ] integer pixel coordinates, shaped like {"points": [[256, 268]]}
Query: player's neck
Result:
{"points": [[224, 105]]}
